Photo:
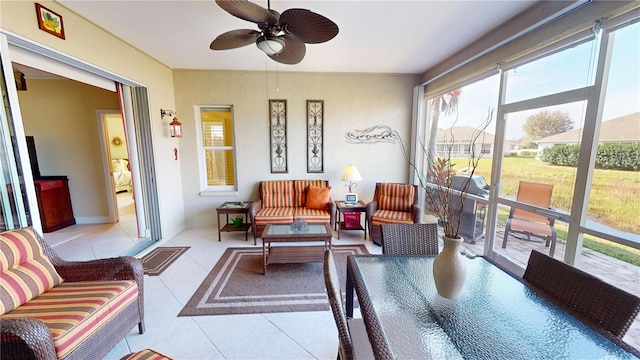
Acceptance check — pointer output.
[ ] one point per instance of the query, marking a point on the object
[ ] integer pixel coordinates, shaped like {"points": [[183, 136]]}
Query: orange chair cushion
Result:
{"points": [[277, 194], [73, 311], [396, 197], [301, 188], [318, 197], [26, 271]]}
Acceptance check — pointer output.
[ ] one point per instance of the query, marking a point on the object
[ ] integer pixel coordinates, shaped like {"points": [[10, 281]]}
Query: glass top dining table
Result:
{"points": [[496, 316]]}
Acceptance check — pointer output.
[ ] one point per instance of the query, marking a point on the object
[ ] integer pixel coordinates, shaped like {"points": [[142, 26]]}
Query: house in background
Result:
{"points": [[456, 141], [624, 129]]}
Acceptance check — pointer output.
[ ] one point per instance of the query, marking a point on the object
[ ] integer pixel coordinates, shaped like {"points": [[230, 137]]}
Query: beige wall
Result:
{"points": [[352, 102], [93, 45], [61, 116], [116, 129]]}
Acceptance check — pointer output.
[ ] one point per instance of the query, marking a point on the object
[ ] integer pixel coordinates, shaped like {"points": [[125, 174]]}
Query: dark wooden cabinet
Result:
{"points": [[54, 203]]}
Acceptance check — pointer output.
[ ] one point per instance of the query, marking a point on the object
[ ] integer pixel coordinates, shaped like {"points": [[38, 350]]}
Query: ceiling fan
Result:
{"points": [[281, 36]]}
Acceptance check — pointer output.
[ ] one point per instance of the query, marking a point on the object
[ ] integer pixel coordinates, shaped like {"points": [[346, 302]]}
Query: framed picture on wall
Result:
{"points": [[278, 136], [49, 21]]}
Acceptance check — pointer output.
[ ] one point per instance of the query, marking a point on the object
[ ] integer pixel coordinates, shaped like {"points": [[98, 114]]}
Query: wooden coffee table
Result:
{"points": [[297, 251]]}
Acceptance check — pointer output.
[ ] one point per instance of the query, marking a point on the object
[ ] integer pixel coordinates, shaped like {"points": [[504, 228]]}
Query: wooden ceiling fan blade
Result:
{"points": [[293, 52], [248, 11], [308, 27], [234, 39]]}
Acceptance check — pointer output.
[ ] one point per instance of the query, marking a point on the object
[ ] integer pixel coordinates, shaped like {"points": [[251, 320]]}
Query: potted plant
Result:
{"points": [[436, 177]]}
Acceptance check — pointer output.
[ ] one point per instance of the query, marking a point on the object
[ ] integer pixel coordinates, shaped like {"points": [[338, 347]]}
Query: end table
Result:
{"points": [[343, 208], [241, 208]]}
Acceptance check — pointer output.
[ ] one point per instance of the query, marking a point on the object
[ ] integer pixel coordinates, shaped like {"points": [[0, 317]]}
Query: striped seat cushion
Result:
{"points": [[397, 197], [301, 187], [25, 271], [279, 215], [276, 194], [146, 354], [73, 311], [312, 215], [391, 217]]}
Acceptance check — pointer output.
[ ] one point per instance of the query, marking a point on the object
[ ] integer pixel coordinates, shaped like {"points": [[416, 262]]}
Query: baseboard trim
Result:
{"points": [[93, 220]]}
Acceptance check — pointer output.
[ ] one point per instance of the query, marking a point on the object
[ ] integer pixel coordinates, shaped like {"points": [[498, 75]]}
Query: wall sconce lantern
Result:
{"points": [[175, 126]]}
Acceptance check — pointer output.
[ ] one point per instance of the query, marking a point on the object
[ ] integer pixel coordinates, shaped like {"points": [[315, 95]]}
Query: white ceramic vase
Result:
{"points": [[449, 269]]}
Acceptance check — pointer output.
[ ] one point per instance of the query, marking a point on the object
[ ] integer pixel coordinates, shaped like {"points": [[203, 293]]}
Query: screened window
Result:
{"points": [[218, 148]]}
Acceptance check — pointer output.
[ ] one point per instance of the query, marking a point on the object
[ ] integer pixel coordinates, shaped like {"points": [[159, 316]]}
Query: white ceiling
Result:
{"points": [[375, 36]]}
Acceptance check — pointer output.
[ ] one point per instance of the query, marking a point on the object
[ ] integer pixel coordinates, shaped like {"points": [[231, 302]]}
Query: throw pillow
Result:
{"points": [[318, 197]]}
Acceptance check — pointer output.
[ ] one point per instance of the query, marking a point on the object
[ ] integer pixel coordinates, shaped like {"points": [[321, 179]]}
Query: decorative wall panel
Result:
{"points": [[315, 130], [278, 135]]}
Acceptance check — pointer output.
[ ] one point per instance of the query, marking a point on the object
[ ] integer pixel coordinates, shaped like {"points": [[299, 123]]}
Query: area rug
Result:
{"points": [[236, 284], [156, 261]]}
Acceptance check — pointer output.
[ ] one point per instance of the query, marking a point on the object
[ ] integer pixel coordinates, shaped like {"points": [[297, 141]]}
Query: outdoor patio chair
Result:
{"points": [[600, 305], [410, 239], [353, 340], [528, 223], [392, 204]]}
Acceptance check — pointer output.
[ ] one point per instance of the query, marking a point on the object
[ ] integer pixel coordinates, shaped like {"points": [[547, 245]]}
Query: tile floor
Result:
{"points": [[302, 335]]}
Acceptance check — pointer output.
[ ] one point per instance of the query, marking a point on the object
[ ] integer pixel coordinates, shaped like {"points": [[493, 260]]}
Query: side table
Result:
{"points": [[343, 208], [241, 208]]}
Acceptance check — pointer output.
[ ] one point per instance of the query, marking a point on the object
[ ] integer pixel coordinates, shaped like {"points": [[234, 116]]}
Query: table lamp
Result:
{"points": [[351, 174]]}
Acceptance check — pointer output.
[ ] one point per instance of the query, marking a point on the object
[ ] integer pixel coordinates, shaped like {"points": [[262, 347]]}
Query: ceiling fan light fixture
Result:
{"points": [[270, 45]]}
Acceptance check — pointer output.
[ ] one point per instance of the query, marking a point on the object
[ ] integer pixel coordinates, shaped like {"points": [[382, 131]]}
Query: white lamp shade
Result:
{"points": [[351, 174]]}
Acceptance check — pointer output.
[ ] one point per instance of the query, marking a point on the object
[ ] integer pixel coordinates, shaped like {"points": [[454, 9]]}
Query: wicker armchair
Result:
{"points": [[27, 337], [602, 306], [410, 239], [353, 339], [392, 204]]}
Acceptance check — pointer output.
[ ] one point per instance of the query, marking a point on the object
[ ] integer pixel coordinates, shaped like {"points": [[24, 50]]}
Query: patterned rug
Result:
{"points": [[236, 284], [156, 261]]}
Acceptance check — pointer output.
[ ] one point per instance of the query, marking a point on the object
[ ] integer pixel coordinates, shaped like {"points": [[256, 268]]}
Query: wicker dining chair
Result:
{"points": [[348, 349], [410, 239], [600, 305]]}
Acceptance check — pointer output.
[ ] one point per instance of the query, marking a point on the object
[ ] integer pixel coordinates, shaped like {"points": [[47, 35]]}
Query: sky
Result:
{"points": [[566, 70]]}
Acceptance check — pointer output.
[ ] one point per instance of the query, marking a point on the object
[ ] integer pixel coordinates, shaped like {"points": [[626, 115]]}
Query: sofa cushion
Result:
{"points": [[26, 271], [73, 311], [312, 215], [396, 197], [391, 217], [301, 187], [279, 215], [318, 197], [276, 194]]}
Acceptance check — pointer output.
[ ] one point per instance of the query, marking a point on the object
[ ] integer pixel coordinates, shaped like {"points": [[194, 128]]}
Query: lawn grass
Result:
{"points": [[613, 199]]}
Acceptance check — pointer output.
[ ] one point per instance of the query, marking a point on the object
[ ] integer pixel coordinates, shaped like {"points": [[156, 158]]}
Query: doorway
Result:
{"points": [[137, 119]]}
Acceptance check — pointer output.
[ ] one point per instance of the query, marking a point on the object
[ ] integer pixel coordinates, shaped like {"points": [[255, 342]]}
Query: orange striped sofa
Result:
{"points": [[54, 309], [281, 201], [392, 204]]}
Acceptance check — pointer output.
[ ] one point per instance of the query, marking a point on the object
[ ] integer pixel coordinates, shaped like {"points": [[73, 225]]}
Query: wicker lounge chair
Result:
{"points": [[409, 239], [107, 301], [392, 204], [602, 306]]}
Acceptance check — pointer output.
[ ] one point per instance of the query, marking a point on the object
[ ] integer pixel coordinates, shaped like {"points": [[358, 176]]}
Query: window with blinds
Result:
{"points": [[218, 147]]}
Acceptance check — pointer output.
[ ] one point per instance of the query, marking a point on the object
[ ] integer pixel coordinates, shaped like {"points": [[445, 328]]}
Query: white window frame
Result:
{"points": [[207, 190]]}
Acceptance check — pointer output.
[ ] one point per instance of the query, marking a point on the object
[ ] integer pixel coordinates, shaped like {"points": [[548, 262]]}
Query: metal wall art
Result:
{"points": [[372, 135], [278, 135], [315, 146]]}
